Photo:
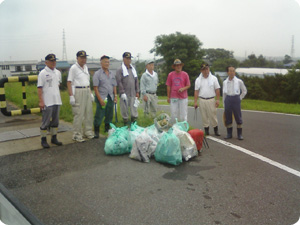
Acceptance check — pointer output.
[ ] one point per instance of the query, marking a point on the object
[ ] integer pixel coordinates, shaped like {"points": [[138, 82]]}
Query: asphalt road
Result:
{"points": [[79, 184]]}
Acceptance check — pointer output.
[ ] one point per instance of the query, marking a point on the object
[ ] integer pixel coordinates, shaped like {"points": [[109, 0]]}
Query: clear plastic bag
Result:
{"points": [[168, 149], [118, 142], [143, 148], [187, 144], [154, 133], [135, 131]]}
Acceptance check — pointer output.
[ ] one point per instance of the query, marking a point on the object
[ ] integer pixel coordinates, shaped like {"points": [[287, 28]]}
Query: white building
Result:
{"points": [[260, 72], [16, 68]]}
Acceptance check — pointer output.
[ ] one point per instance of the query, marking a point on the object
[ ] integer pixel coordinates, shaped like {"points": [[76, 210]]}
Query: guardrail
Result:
{"points": [[3, 105]]}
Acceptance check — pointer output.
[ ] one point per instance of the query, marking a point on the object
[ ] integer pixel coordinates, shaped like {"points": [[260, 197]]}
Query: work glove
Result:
{"points": [[92, 97], [124, 97], [72, 100]]}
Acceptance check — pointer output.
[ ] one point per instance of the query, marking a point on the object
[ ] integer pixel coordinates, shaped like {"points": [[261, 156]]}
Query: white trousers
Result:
{"points": [[178, 109], [208, 112], [83, 112]]}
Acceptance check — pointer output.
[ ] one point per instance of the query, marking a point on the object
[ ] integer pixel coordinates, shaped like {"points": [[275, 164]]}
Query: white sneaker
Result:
{"points": [[78, 139], [89, 136]]}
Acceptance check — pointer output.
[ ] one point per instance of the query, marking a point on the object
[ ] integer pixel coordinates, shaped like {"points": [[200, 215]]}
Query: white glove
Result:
{"points": [[72, 100], [92, 97], [124, 97]]}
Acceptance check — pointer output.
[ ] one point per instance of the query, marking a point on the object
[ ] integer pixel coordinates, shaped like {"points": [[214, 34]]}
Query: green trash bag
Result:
{"points": [[168, 149], [184, 125], [118, 142]]}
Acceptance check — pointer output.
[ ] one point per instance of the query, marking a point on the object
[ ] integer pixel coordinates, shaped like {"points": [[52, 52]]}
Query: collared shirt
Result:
{"points": [[79, 76], [128, 84], [49, 81], [207, 86], [231, 90], [149, 82], [105, 83]]}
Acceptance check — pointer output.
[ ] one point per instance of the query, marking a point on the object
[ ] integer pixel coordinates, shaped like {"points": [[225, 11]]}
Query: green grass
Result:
{"points": [[13, 93]]}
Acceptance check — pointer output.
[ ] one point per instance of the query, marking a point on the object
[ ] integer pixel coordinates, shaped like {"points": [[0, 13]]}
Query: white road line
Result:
{"points": [[255, 155]]}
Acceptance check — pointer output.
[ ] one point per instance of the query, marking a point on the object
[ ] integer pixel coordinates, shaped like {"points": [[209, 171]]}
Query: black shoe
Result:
{"points": [[55, 141], [216, 130], [96, 131], [239, 132], [106, 127], [44, 142], [206, 130], [229, 133]]}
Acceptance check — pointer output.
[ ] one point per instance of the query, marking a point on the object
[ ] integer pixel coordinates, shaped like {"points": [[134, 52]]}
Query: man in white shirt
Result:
{"points": [[49, 80], [81, 98], [207, 88], [234, 91]]}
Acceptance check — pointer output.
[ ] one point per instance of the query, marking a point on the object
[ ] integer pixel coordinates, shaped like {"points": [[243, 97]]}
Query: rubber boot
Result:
{"points": [[206, 129], [125, 122], [133, 119], [55, 141], [229, 133], [216, 130], [44, 142], [239, 133], [96, 130], [106, 127]]}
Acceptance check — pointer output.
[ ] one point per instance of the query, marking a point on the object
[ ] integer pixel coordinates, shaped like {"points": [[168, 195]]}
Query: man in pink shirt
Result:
{"points": [[177, 83]]}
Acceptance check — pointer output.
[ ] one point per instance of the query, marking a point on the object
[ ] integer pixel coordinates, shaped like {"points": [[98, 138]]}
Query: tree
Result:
{"points": [[212, 54], [287, 59], [221, 64], [185, 47]]}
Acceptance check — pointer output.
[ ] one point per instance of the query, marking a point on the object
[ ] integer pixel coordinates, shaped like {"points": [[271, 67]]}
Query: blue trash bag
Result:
{"points": [[184, 125], [168, 149], [118, 143]]}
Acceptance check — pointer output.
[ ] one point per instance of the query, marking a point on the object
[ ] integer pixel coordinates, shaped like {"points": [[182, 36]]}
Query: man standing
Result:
{"points": [[177, 83], [207, 88], [81, 98], [149, 82], [128, 85], [105, 95], [232, 97], [49, 80]]}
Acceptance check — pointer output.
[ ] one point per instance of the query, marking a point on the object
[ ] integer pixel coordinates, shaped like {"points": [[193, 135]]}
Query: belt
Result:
{"points": [[82, 87], [151, 93], [207, 98]]}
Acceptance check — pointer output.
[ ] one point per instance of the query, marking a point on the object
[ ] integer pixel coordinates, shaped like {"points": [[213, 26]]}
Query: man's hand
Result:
{"points": [[102, 103], [217, 103], [72, 100], [195, 105], [137, 95], [42, 105], [145, 98], [116, 99], [168, 100]]}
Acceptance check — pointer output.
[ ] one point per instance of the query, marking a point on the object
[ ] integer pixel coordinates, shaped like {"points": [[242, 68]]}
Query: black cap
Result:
{"points": [[81, 54], [51, 57], [203, 66], [104, 57], [127, 55]]}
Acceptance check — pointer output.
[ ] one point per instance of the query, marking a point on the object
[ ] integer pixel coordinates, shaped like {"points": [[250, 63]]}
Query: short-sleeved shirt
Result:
{"points": [[49, 81], [105, 83], [176, 81], [79, 76], [127, 84], [207, 86]]}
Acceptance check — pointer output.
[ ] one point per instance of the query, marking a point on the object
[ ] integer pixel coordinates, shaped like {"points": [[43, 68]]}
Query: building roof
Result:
{"points": [[261, 71]]}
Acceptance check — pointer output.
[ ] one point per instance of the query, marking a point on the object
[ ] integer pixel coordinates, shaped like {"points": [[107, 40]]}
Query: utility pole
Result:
{"points": [[292, 48], [64, 54]]}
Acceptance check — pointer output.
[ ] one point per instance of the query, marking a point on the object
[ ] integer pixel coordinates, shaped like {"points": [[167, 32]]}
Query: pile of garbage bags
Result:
{"points": [[168, 143]]}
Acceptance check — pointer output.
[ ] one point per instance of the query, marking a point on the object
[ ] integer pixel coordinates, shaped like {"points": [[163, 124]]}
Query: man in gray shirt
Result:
{"points": [[149, 82], [105, 95], [128, 85]]}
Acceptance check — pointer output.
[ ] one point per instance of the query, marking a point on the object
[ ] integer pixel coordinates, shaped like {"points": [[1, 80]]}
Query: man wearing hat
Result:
{"points": [[177, 83], [128, 85], [207, 88], [149, 82], [48, 83], [234, 91], [105, 87], [81, 98]]}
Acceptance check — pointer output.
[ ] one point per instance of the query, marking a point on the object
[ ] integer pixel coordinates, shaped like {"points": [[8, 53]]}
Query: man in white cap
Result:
{"points": [[128, 85], [81, 98], [148, 83], [177, 83], [49, 80]]}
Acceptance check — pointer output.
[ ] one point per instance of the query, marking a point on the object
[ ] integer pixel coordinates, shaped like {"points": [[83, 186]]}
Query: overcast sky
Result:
{"points": [[30, 29]]}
